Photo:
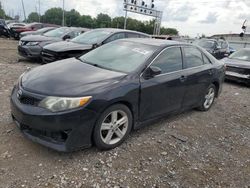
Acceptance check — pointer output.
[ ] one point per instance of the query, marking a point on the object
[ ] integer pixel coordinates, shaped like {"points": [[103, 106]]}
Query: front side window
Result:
{"points": [[193, 57], [169, 60], [115, 37]]}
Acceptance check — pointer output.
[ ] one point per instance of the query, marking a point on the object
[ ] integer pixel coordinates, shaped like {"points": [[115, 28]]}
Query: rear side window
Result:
{"points": [[169, 60], [193, 57]]}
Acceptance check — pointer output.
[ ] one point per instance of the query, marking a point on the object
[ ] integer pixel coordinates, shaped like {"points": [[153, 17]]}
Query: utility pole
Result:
{"points": [[63, 15], [24, 11], [39, 9], [125, 21]]}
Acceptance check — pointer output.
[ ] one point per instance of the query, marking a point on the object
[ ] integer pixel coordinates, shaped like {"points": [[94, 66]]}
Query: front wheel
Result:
{"points": [[208, 99], [113, 127]]}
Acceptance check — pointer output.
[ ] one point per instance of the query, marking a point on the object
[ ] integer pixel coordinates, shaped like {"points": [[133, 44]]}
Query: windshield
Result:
{"points": [[121, 56], [91, 37], [243, 54], [57, 32], [206, 44]]}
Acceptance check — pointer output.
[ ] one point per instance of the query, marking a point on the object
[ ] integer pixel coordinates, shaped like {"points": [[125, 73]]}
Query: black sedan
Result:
{"points": [[85, 43], [218, 48], [238, 66], [31, 46], [101, 96]]}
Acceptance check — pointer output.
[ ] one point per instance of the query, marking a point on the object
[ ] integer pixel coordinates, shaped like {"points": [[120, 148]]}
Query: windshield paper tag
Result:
{"points": [[141, 51]]}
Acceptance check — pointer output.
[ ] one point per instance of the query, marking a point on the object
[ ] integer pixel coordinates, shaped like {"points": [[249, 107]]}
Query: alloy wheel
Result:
{"points": [[114, 127], [209, 98]]}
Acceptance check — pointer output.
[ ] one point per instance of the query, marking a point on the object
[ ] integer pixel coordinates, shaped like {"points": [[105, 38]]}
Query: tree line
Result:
{"points": [[74, 18], [2, 13]]}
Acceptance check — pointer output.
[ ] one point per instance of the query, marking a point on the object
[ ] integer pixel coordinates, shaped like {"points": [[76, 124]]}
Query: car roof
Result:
{"points": [[77, 28], [154, 42], [115, 30]]}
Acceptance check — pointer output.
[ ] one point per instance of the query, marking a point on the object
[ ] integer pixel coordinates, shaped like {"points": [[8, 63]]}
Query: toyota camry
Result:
{"points": [[98, 98]]}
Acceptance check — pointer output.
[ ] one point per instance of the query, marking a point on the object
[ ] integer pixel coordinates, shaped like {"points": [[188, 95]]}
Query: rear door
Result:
{"points": [[164, 92], [198, 71]]}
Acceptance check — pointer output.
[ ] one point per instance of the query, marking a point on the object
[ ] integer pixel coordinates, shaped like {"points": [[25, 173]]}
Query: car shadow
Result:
{"points": [[235, 83]]}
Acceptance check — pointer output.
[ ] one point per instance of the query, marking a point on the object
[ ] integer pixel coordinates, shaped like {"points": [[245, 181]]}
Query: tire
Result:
{"points": [[112, 127], [208, 98]]}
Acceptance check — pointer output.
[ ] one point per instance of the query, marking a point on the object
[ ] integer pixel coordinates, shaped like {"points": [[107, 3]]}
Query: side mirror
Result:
{"points": [[152, 72], [66, 37]]}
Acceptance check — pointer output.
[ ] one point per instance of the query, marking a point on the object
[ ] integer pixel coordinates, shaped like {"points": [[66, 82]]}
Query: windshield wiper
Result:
{"points": [[93, 64]]}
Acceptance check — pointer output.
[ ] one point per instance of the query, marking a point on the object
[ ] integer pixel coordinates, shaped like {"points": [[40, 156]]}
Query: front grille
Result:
{"points": [[29, 101], [238, 70]]}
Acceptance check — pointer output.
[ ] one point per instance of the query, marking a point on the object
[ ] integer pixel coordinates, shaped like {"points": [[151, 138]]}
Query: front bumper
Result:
{"points": [[30, 51], [242, 78], [64, 131]]}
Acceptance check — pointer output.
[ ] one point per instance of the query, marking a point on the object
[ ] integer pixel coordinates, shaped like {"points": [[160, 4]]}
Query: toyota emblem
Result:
{"points": [[19, 94]]}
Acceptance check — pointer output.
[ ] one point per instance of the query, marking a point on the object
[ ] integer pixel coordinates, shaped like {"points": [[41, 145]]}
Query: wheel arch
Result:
{"points": [[217, 87]]}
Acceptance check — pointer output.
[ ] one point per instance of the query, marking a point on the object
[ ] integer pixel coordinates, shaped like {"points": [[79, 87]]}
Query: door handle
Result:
{"points": [[183, 78]]}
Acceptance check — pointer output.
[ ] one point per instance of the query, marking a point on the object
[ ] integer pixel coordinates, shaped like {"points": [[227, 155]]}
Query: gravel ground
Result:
{"points": [[193, 149]]}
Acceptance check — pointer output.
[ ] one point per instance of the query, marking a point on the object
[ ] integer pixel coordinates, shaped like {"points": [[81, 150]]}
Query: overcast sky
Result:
{"points": [[190, 17]]}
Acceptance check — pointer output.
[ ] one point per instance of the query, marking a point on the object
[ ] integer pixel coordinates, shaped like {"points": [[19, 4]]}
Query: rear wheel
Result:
{"points": [[208, 99], [113, 127]]}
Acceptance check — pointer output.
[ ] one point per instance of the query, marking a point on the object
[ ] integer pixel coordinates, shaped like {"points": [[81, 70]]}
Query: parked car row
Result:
{"points": [[17, 29], [31, 46], [110, 82], [238, 66], [217, 47], [68, 42], [237, 62]]}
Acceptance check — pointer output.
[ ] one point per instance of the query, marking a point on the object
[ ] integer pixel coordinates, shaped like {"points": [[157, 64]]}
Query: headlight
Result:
{"points": [[32, 43], [56, 104], [17, 82]]}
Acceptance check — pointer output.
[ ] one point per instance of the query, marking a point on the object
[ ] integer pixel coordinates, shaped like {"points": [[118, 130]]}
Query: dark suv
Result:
{"points": [[4, 29], [218, 48]]}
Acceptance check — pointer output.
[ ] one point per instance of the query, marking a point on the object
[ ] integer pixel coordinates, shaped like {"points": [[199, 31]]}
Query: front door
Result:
{"points": [[164, 92]]}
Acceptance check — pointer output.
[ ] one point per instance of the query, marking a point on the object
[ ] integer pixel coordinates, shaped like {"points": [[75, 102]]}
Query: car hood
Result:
{"points": [[69, 77], [38, 38], [237, 63], [67, 46]]}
